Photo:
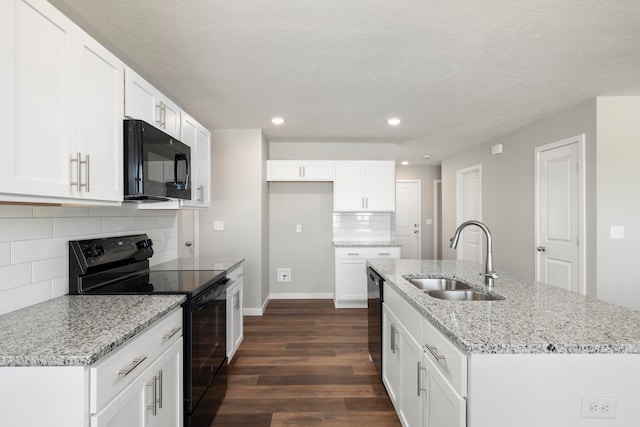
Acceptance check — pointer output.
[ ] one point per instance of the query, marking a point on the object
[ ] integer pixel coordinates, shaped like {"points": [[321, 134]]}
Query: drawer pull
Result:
{"points": [[353, 253], [384, 253], [434, 351], [170, 334], [134, 365], [420, 389]]}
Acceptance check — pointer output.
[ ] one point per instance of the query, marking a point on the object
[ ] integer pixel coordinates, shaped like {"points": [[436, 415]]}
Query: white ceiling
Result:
{"points": [[458, 73]]}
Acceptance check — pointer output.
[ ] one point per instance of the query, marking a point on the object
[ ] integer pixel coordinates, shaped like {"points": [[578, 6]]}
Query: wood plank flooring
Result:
{"points": [[304, 363]]}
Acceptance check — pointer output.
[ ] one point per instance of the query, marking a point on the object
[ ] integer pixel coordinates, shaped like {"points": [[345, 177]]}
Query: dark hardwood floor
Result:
{"points": [[304, 363]]}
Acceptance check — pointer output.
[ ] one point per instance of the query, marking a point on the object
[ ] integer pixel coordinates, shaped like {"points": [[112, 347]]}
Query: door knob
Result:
{"points": [[415, 231], [188, 243], [541, 249]]}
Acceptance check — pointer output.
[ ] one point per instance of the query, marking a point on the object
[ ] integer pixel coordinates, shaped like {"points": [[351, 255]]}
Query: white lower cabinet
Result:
{"points": [[426, 383], [235, 326], [351, 273]]}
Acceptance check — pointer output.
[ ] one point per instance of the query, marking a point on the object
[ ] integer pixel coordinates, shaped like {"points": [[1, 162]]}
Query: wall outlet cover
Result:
{"points": [[604, 407], [284, 275], [218, 225]]}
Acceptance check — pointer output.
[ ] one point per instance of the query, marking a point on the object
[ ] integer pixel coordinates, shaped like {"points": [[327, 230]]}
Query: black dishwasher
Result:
{"points": [[374, 322]]}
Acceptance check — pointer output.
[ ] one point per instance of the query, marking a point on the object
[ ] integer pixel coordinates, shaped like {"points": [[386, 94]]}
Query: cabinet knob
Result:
{"points": [[541, 249], [188, 243]]}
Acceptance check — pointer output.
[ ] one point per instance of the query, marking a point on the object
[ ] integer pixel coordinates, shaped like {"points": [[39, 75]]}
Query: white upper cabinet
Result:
{"points": [[61, 141], [198, 138], [145, 102], [296, 170], [368, 186]]}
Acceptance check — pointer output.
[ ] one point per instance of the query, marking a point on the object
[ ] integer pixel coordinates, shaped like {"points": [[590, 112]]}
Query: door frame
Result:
{"points": [[459, 211], [582, 206], [437, 230], [419, 206]]}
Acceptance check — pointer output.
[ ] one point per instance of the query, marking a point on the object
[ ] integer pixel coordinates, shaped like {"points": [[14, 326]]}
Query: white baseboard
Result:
{"points": [[301, 296], [256, 311]]}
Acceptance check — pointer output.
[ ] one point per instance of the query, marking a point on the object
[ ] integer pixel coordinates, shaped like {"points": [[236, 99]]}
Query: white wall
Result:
{"points": [[508, 189], [239, 199], [618, 201], [34, 250]]}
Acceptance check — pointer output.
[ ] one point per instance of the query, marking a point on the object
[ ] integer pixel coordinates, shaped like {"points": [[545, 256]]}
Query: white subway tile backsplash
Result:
{"points": [[5, 253], [59, 211], [76, 226], [50, 268], [24, 296], [14, 276], [12, 229], [34, 244], [362, 227], [35, 250], [15, 211]]}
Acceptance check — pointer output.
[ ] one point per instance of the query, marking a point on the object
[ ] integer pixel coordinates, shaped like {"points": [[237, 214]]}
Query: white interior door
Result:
{"points": [[558, 214], [408, 214], [469, 207]]}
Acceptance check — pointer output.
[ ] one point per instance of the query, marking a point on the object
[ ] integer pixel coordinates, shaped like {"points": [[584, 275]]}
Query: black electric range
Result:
{"points": [[120, 265]]}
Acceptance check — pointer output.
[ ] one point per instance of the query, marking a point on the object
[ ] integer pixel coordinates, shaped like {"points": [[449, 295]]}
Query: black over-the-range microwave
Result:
{"points": [[156, 165]]}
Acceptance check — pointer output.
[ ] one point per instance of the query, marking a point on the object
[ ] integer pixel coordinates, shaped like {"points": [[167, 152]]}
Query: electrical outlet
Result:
{"points": [[617, 232], [299, 228], [599, 407], [284, 275]]}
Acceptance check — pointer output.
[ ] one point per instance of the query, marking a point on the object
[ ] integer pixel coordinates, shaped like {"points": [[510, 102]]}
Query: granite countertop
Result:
{"points": [[77, 330], [533, 317], [357, 244], [213, 263]]}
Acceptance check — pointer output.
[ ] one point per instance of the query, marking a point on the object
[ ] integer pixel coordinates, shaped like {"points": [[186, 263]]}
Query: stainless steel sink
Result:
{"points": [[437, 284], [464, 295]]}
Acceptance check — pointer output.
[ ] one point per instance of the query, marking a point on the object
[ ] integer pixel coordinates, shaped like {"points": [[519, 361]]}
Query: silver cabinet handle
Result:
{"points": [[77, 181], [420, 368], [154, 391], [434, 351], [393, 339], [201, 193], [366, 202], [384, 253], [159, 113], [353, 253], [236, 304], [171, 333], [132, 366], [362, 202], [159, 400], [304, 172], [164, 115], [86, 163]]}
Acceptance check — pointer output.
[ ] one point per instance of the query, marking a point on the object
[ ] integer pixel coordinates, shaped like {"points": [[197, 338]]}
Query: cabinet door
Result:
{"points": [[348, 188], [99, 120], [351, 283], [139, 98], [391, 361], [189, 136], [168, 115], [317, 171], [203, 167], [410, 364], [38, 100], [238, 321], [441, 405], [380, 186], [167, 374], [126, 410], [284, 170]]}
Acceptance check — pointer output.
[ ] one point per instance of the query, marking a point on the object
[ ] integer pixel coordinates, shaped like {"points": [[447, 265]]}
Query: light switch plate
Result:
{"points": [[617, 232], [218, 225]]}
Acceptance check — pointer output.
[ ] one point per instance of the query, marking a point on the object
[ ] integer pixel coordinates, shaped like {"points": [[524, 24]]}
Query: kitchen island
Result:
{"points": [[540, 356]]}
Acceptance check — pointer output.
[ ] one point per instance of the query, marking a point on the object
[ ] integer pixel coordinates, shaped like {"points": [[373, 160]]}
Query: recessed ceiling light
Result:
{"points": [[393, 121], [277, 120], [405, 163]]}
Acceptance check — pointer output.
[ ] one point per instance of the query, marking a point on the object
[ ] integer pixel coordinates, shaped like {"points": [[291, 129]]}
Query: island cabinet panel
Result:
{"points": [[531, 390]]}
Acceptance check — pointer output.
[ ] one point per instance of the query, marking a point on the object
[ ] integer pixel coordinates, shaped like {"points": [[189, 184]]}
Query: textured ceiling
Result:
{"points": [[458, 73]]}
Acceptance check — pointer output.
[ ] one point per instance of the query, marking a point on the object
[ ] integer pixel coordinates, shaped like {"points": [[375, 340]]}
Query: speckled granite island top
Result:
{"points": [[215, 263], [77, 330], [533, 317], [376, 244]]}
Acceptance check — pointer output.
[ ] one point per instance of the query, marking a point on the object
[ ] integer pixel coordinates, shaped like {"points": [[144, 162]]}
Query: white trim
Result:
{"points": [[582, 206], [437, 190], [285, 295], [419, 182], [459, 198], [256, 311]]}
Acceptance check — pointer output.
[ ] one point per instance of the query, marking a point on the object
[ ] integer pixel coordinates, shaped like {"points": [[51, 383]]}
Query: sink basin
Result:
{"points": [[437, 284], [464, 295]]}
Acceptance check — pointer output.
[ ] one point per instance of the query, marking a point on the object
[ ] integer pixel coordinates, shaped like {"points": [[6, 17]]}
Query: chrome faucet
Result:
{"points": [[489, 274]]}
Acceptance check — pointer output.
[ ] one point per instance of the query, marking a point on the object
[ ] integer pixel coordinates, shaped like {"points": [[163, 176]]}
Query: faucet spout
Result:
{"points": [[489, 274]]}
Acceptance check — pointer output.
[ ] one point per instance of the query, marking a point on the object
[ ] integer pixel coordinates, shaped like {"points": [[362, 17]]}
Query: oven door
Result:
{"points": [[205, 351]]}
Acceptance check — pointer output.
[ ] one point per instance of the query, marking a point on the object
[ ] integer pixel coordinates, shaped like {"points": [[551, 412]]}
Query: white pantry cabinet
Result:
{"points": [[364, 186], [296, 170], [61, 112], [198, 138], [235, 326], [145, 102], [351, 273]]}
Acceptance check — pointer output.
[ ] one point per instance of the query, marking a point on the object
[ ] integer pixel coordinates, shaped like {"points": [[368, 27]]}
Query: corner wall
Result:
{"points": [[508, 189], [239, 199]]}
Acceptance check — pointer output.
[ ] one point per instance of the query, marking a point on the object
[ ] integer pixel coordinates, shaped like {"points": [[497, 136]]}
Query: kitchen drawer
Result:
{"points": [[449, 360], [406, 314], [116, 371], [370, 252], [236, 274]]}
